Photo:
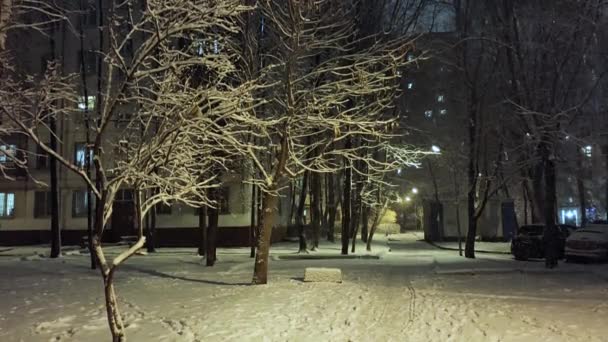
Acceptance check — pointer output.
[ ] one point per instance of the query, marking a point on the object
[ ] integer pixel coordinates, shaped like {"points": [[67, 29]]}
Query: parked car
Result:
{"points": [[590, 242], [529, 241]]}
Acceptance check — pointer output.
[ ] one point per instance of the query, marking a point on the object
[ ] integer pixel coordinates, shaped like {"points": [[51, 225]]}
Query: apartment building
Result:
{"points": [[24, 198]]}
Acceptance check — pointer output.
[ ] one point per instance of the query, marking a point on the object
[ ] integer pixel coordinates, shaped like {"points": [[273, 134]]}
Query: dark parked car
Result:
{"points": [[529, 241]]}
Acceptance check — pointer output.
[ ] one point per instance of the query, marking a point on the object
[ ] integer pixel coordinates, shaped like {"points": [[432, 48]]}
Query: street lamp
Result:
{"points": [[408, 199], [414, 190], [436, 149]]}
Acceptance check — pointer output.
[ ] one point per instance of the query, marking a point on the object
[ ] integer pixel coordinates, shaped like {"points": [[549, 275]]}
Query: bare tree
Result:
{"points": [[174, 135], [323, 91]]}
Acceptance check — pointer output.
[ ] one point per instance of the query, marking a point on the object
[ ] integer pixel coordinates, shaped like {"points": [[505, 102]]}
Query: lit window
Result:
{"points": [[6, 152], [443, 111], [199, 47], [428, 114], [588, 150], [440, 98], [80, 151], [410, 85], [7, 204], [87, 103]]}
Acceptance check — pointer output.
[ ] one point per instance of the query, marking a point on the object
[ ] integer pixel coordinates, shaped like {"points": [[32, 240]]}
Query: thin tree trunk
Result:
{"points": [[292, 207], [379, 214], [331, 208], [85, 93], [55, 231], [202, 228], [458, 226], [346, 203], [260, 271], [151, 231], [315, 211], [538, 194], [356, 214], [469, 250], [550, 233], [300, 213], [525, 197], [252, 224], [212, 232], [582, 201], [365, 223]]}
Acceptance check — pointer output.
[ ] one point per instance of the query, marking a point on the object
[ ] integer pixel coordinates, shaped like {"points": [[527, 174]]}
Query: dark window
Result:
{"points": [[79, 203], [224, 200], [7, 204], [90, 16], [124, 195], [41, 158], [163, 209], [90, 61], [42, 204]]}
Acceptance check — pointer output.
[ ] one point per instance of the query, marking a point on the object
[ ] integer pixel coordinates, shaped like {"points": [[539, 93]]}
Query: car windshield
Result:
{"points": [[531, 230]]}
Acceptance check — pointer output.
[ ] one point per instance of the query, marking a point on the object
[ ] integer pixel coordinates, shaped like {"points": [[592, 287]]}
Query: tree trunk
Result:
{"points": [[212, 236], [550, 234], [252, 224], [346, 203], [469, 249], [323, 204], [55, 231], [538, 194], [458, 226], [213, 214], [331, 208], [379, 215], [315, 211], [202, 228], [582, 202], [114, 317], [606, 186], [292, 207], [300, 213], [365, 223], [260, 271], [151, 231], [356, 214]]}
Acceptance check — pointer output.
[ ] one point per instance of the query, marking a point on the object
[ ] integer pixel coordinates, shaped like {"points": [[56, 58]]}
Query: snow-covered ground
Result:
{"points": [[405, 290]]}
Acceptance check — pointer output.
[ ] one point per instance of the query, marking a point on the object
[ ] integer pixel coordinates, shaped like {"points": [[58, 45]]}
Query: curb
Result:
{"points": [[456, 249], [474, 271], [323, 257]]}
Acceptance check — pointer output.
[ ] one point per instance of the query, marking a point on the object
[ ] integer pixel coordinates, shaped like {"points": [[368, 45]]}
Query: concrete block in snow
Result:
{"points": [[323, 274]]}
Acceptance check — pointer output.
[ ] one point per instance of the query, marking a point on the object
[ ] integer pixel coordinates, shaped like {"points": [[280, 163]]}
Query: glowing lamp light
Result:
{"points": [[414, 190], [408, 199], [435, 149]]}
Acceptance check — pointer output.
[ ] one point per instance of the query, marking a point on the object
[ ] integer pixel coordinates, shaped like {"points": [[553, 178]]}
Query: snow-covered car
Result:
{"points": [[590, 242], [529, 241]]}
